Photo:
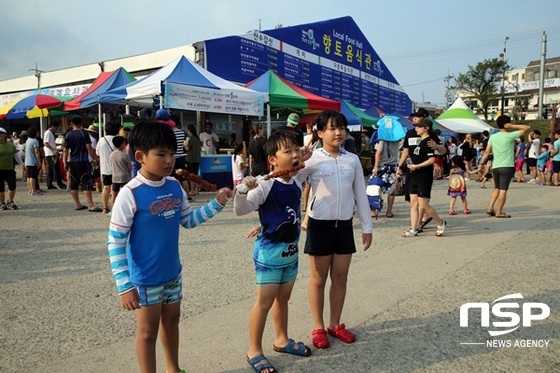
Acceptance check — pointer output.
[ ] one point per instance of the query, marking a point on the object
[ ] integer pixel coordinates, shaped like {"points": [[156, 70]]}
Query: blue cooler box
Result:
{"points": [[216, 169]]}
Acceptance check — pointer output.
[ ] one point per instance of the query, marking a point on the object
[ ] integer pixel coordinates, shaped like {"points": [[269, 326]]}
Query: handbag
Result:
{"points": [[397, 189]]}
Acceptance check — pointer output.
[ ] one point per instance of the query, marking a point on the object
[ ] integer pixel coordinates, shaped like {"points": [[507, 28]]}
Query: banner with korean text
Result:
{"points": [[226, 101]]}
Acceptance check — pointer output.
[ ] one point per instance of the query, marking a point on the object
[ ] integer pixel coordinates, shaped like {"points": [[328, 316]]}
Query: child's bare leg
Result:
{"points": [[465, 204], [452, 203], [266, 294], [340, 264], [169, 322], [316, 291], [146, 336], [280, 314]]}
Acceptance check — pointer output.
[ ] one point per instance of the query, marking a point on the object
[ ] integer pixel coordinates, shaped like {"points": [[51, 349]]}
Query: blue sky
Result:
{"points": [[421, 42]]}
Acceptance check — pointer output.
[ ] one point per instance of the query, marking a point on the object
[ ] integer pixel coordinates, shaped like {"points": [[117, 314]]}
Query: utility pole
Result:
{"points": [[541, 82], [449, 95], [503, 55], [37, 75]]}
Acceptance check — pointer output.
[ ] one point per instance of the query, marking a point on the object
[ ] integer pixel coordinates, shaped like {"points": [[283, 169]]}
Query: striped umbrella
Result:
{"points": [[33, 106]]}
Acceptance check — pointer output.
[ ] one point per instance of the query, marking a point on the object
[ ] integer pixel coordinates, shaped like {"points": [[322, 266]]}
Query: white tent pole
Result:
{"points": [[268, 120], [101, 128]]}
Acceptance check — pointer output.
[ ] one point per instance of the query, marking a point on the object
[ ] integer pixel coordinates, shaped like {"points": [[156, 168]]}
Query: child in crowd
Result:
{"points": [[542, 159], [519, 159], [457, 185], [486, 174], [276, 248], [237, 164], [121, 166], [32, 161], [338, 187], [144, 242]]}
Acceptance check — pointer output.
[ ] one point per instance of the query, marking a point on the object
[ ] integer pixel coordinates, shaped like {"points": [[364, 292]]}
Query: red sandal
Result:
{"points": [[341, 333], [320, 339]]}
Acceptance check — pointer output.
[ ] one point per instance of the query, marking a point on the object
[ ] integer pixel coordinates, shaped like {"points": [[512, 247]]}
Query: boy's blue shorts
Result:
{"points": [[169, 293], [282, 275]]}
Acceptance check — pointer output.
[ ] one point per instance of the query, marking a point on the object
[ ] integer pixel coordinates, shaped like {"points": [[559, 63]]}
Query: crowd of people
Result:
{"points": [[332, 185]]}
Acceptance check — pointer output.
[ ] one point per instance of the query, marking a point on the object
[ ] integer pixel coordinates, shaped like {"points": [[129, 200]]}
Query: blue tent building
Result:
{"points": [[329, 58]]}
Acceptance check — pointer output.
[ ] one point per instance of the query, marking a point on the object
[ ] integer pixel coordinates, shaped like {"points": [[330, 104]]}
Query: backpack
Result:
{"points": [[373, 191]]}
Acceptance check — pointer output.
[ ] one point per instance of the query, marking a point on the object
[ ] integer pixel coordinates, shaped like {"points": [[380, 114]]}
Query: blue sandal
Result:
{"points": [[259, 368], [302, 350]]}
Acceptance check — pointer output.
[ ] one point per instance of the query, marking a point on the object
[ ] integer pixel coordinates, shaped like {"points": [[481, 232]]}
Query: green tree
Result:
{"points": [[483, 82]]}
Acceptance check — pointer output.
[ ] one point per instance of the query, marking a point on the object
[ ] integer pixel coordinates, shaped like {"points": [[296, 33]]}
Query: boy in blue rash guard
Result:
{"points": [[275, 253], [144, 242]]}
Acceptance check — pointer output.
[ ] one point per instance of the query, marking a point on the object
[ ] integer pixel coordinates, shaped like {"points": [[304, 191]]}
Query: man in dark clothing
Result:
{"points": [[77, 144]]}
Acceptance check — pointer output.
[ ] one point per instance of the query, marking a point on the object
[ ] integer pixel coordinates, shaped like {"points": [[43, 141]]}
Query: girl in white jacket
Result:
{"points": [[338, 188]]}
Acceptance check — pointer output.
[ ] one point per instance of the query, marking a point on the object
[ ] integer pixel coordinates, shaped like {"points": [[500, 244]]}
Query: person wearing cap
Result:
{"points": [[291, 126], [163, 116], [8, 152], [51, 154], [501, 145], [410, 141], [365, 146], [421, 178], [77, 146]]}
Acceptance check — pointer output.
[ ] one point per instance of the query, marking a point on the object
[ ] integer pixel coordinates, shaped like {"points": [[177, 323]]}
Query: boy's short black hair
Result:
{"points": [[147, 135], [502, 120], [278, 139], [545, 146], [32, 132], [118, 141], [338, 119]]}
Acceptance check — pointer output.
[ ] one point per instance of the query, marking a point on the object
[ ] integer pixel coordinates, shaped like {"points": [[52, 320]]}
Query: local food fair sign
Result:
{"points": [[226, 101]]}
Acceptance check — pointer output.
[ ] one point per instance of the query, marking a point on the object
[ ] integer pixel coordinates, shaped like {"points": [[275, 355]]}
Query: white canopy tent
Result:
{"points": [[461, 119]]}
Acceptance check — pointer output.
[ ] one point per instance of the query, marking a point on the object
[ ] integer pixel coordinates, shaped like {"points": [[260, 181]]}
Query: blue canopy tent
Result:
{"points": [[374, 112], [185, 85], [104, 82]]}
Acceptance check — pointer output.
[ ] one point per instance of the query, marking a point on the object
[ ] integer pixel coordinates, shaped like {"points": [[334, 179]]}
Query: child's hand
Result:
{"points": [[250, 182], [130, 300], [254, 232], [306, 153], [223, 195]]}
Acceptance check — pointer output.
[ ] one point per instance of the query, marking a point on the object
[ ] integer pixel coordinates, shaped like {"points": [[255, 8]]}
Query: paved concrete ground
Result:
{"points": [[60, 311]]}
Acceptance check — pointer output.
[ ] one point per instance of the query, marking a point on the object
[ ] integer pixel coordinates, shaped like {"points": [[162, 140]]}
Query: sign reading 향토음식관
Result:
{"points": [[330, 58]]}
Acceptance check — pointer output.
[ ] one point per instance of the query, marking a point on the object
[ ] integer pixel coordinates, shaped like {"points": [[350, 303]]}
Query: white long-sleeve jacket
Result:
{"points": [[337, 186]]}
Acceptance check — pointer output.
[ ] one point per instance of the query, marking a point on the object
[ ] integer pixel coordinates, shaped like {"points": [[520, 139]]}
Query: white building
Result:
{"points": [[521, 91]]}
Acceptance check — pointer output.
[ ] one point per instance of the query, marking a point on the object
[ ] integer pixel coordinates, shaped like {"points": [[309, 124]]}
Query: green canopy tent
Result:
{"points": [[283, 94], [356, 117]]}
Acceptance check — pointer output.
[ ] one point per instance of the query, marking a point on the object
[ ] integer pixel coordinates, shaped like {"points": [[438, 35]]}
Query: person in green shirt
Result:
{"points": [[502, 146], [7, 173]]}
